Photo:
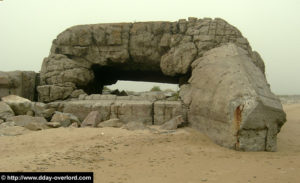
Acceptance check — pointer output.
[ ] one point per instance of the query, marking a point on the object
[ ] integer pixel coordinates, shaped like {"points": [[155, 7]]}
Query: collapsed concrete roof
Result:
{"points": [[222, 83]]}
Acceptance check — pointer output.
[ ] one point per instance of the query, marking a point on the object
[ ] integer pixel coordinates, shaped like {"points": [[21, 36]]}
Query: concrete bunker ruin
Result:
{"points": [[210, 59]]}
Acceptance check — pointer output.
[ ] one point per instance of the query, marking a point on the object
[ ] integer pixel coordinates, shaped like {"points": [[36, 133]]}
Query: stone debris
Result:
{"points": [[126, 110], [23, 120], [42, 110], [35, 126], [54, 124], [115, 122], [173, 124], [7, 124], [74, 125], [13, 131], [29, 122], [65, 119], [5, 111], [92, 119], [19, 105], [77, 93]]}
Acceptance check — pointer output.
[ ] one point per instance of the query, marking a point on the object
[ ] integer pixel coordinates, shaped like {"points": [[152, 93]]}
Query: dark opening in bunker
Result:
{"points": [[108, 75]]}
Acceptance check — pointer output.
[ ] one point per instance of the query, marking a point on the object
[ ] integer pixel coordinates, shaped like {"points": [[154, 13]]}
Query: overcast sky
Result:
{"points": [[27, 28]]}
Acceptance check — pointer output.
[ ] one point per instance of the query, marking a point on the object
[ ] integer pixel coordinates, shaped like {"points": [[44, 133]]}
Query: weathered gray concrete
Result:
{"points": [[90, 56], [5, 111], [223, 89], [19, 105], [21, 83], [230, 101]]}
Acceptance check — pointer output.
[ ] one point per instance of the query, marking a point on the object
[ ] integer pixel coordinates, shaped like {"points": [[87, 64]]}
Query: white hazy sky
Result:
{"points": [[27, 28]]}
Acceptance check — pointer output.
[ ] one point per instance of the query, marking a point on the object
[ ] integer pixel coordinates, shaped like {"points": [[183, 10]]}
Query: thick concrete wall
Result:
{"points": [[230, 101], [148, 51], [22, 83], [127, 110]]}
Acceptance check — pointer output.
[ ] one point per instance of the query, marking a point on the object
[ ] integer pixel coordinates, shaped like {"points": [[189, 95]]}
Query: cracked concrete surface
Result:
{"points": [[212, 62]]}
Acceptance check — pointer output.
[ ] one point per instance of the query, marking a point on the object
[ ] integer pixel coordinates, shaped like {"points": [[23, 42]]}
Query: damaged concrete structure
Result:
{"points": [[20, 83], [223, 89], [229, 100], [90, 56]]}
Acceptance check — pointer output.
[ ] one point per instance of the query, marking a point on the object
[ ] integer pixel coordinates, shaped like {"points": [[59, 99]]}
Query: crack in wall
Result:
{"points": [[237, 121]]}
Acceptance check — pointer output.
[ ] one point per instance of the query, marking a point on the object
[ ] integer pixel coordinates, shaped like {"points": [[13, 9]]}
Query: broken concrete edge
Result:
{"points": [[60, 119], [64, 112], [234, 106], [242, 142], [273, 121], [21, 83], [76, 52], [243, 135], [251, 136], [144, 111], [142, 48], [235, 135]]}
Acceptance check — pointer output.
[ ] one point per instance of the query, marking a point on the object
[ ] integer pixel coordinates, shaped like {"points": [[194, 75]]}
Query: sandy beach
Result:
{"points": [[119, 156]]}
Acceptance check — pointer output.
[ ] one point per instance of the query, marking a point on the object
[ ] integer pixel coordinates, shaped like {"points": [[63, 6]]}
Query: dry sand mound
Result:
{"points": [[118, 155]]}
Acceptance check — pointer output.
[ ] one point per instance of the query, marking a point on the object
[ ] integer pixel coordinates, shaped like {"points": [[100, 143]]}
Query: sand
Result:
{"points": [[183, 156]]}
